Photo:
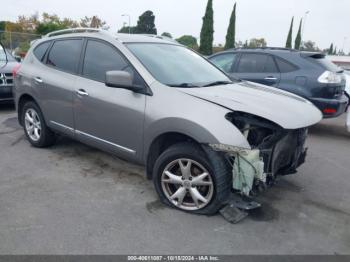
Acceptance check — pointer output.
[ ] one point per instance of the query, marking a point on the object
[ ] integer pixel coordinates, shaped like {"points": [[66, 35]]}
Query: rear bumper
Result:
{"points": [[331, 107], [6, 94]]}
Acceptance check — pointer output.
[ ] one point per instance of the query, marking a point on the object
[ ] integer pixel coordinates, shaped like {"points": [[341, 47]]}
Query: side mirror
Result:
{"points": [[122, 79]]}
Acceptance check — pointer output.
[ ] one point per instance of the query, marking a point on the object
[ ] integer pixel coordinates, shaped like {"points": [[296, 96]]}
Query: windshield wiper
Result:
{"points": [[217, 83], [187, 85]]}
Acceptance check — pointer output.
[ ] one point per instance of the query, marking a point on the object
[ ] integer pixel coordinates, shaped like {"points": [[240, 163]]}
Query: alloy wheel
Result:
{"points": [[187, 184], [32, 124]]}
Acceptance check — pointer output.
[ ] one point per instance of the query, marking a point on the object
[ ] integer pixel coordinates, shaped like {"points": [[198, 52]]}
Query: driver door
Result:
{"points": [[106, 117]]}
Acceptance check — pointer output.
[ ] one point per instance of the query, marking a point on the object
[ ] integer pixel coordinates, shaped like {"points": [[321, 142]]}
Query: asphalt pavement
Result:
{"points": [[74, 199]]}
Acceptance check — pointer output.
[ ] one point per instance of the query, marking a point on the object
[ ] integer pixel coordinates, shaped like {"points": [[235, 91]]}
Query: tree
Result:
{"points": [[166, 34], [28, 23], [2, 25], [335, 51], [51, 22], [290, 35], [189, 41], [297, 42], [257, 42], [246, 45], [93, 22], [207, 32], [330, 50], [145, 24], [310, 46], [125, 30], [231, 31]]}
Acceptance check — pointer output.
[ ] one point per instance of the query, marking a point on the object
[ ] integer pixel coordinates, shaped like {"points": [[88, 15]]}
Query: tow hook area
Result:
{"points": [[247, 171], [237, 208]]}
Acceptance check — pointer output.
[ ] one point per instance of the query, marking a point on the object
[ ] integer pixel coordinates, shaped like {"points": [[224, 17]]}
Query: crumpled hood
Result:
{"points": [[283, 108]]}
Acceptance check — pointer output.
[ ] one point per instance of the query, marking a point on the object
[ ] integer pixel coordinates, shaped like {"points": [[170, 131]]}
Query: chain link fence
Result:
{"points": [[17, 43]]}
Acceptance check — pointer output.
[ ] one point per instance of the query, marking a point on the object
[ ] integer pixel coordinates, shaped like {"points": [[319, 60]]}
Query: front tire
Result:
{"points": [[35, 128], [187, 178]]}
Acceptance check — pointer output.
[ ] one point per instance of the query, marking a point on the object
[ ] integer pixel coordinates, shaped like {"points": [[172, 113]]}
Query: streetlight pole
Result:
{"points": [[344, 45], [304, 24], [129, 22]]}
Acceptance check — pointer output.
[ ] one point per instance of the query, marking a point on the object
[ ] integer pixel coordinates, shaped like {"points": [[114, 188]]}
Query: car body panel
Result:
{"points": [[121, 128], [262, 101], [6, 80]]}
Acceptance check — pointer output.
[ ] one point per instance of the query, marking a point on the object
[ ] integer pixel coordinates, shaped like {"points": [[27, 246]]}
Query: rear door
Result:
{"points": [[259, 68], [56, 82]]}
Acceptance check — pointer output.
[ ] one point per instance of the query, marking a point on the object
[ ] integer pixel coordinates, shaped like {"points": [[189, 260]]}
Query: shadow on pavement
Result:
{"points": [[7, 107]]}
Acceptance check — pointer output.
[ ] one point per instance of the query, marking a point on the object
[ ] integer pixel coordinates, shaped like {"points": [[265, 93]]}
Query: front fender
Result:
{"points": [[201, 120]]}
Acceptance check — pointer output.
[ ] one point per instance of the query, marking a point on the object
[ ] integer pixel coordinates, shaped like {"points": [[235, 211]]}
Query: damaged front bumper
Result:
{"points": [[280, 153]]}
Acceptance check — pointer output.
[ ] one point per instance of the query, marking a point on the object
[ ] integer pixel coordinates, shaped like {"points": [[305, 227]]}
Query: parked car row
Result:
{"points": [[201, 135], [7, 64], [307, 74]]}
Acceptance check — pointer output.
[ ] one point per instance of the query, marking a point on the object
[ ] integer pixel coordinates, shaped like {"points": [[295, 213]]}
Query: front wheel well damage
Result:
{"points": [[160, 144]]}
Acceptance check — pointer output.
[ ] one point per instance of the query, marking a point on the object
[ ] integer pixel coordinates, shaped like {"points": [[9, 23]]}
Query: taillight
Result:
{"points": [[329, 77], [329, 111], [15, 70]]}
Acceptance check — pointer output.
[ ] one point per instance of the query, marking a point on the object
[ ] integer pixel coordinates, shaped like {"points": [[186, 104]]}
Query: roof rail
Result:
{"points": [[161, 37], [74, 30], [267, 48]]}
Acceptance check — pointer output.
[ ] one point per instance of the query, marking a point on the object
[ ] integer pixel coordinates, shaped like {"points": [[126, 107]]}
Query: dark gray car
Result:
{"points": [[7, 64], [159, 104], [307, 74]]}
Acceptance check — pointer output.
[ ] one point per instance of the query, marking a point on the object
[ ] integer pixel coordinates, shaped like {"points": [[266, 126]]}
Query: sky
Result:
{"points": [[328, 20]]}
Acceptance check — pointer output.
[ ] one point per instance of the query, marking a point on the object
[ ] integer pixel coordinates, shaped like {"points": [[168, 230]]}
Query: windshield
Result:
{"points": [[177, 66], [3, 56]]}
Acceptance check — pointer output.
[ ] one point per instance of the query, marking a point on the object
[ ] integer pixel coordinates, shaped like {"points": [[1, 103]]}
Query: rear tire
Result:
{"points": [[35, 128], [198, 193]]}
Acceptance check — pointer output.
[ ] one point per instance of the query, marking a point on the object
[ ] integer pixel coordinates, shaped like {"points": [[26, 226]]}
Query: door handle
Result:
{"points": [[82, 92], [38, 80], [270, 78]]}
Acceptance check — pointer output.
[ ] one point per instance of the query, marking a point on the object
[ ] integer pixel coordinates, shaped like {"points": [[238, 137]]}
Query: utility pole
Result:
{"points": [[129, 22], [304, 24]]}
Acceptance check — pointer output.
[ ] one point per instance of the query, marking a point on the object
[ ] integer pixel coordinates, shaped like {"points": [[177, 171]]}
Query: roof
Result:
{"points": [[124, 38]]}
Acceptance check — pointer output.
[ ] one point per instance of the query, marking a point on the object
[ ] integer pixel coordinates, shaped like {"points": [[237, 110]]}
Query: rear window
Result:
{"points": [[65, 55], [40, 50]]}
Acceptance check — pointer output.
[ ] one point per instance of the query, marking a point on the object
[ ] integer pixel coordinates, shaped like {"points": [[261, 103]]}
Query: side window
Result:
{"points": [[284, 66], [256, 63], [270, 65], [65, 55], [41, 49], [100, 58], [224, 61]]}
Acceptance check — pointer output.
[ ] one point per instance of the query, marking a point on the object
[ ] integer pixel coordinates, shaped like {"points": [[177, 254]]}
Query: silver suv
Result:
{"points": [[157, 103]]}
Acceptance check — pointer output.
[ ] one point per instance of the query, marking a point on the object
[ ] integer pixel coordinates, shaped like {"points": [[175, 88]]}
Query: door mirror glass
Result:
{"points": [[121, 79]]}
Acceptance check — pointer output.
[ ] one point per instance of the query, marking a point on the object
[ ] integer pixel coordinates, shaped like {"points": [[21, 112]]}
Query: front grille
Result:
{"points": [[6, 79]]}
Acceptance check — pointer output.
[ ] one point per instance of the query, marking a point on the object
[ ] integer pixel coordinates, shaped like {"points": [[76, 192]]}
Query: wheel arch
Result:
{"points": [[160, 144], [21, 102]]}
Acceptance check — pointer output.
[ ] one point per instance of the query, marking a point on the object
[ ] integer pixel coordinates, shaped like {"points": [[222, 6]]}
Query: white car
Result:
{"points": [[347, 87]]}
